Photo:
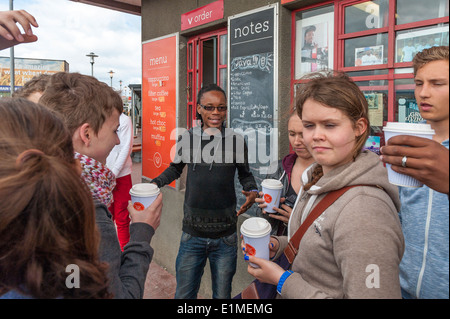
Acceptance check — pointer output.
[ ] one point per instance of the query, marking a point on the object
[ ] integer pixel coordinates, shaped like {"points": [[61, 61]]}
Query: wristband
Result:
{"points": [[283, 278], [254, 190]]}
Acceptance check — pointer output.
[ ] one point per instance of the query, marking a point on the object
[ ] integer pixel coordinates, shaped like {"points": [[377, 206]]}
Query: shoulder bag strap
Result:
{"points": [[292, 247]]}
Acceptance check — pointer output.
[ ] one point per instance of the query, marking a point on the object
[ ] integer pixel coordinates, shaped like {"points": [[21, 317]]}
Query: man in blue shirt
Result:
{"points": [[424, 270]]}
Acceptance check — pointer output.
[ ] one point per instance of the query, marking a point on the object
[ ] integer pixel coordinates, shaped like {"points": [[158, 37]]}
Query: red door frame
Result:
{"points": [[195, 69]]}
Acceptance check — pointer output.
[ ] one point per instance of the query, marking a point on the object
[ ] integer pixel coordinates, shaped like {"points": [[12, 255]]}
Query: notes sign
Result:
{"points": [[253, 74], [253, 88]]}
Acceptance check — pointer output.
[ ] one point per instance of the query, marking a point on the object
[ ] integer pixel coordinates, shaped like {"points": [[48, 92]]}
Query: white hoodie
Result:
{"points": [[119, 160]]}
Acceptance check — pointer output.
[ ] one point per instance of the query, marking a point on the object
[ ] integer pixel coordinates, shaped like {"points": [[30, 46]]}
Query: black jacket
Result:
{"points": [[212, 162]]}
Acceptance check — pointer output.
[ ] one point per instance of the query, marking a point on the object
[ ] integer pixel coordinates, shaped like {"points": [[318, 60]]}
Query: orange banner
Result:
{"points": [[159, 104]]}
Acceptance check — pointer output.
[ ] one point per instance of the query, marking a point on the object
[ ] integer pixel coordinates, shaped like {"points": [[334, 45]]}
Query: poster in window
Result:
{"points": [[314, 44], [375, 101], [369, 55], [411, 42]]}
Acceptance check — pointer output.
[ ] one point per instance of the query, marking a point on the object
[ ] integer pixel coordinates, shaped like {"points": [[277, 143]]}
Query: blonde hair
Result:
{"points": [[430, 55]]}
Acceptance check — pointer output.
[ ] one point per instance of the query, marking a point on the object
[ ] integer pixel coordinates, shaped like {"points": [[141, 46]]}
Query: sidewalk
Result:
{"points": [[159, 284]]}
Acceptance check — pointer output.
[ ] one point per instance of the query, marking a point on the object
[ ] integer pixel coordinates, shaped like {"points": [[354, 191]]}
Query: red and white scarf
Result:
{"points": [[100, 179]]}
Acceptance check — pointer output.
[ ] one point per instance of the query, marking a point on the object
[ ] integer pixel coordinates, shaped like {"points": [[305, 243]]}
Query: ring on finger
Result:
{"points": [[404, 159]]}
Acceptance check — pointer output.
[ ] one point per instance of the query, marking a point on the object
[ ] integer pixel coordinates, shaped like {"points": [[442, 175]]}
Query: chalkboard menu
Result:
{"points": [[253, 84]]}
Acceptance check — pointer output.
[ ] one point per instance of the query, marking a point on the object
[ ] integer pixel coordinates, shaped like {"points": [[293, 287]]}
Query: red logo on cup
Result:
{"points": [[138, 206], [250, 250], [267, 198]]}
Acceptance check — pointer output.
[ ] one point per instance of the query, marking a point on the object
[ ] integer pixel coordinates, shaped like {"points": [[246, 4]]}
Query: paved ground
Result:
{"points": [[160, 284]]}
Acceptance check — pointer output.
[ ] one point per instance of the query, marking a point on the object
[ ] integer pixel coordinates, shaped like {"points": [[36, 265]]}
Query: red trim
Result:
{"points": [[362, 33], [405, 87], [374, 88], [197, 69], [391, 33], [404, 76], [391, 97], [364, 68], [419, 24]]}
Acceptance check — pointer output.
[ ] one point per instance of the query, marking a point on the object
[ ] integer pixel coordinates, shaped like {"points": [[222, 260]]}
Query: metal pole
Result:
{"points": [[11, 58]]}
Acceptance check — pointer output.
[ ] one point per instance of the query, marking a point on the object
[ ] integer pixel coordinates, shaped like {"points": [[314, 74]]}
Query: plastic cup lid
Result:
{"points": [[255, 227], [144, 190], [272, 184], [415, 128]]}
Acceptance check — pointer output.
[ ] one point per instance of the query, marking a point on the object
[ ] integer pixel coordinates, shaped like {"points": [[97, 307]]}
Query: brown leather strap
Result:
{"points": [[292, 247]]}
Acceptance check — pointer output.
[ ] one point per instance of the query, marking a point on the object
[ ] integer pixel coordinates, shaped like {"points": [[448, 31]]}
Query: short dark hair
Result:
{"points": [[205, 89], [310, 28]]}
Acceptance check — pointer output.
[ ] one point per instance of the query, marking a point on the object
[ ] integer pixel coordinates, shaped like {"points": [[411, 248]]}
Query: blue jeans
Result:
{"points": [[191, 261]]}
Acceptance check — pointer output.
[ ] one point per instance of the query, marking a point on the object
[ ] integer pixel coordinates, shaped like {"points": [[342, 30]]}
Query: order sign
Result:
{"points": [[159, 103]]}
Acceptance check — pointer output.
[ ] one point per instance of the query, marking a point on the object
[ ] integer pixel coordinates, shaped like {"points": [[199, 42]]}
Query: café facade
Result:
{"points": [[258, 51]]}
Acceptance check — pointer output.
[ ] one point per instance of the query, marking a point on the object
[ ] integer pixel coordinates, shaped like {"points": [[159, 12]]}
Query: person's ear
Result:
{"points": [[360, 127], [85, 134]]}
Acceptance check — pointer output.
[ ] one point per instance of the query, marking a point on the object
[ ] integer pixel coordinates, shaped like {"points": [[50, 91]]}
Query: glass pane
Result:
{"points": [[409, 42], [223, 50], [366, 16], [419, 10], [363, 51], [376, 93], [189, 88], [367, 73], [223, 79], [190, 55], [314, 40], [407, 109]]}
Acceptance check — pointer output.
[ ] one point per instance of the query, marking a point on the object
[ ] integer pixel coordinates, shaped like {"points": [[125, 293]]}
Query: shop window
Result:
{"points": [[366, 15], [374, 43], [410, 42], [418, 10], [376, 93], [314, 40], [365, 51], [406, 105]]}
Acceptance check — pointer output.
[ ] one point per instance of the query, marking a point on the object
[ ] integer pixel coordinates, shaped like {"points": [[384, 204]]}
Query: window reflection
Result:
{"points": [[418, 10], [366, 16]]}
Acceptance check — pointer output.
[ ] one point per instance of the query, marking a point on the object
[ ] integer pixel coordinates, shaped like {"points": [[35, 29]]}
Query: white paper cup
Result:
{"points": [[143, 195], [272, 193], [396, 128], [256, 233]]}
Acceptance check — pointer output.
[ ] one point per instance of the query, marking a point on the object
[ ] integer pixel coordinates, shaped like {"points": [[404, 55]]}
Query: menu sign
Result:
{"points": [[159, 103]]}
